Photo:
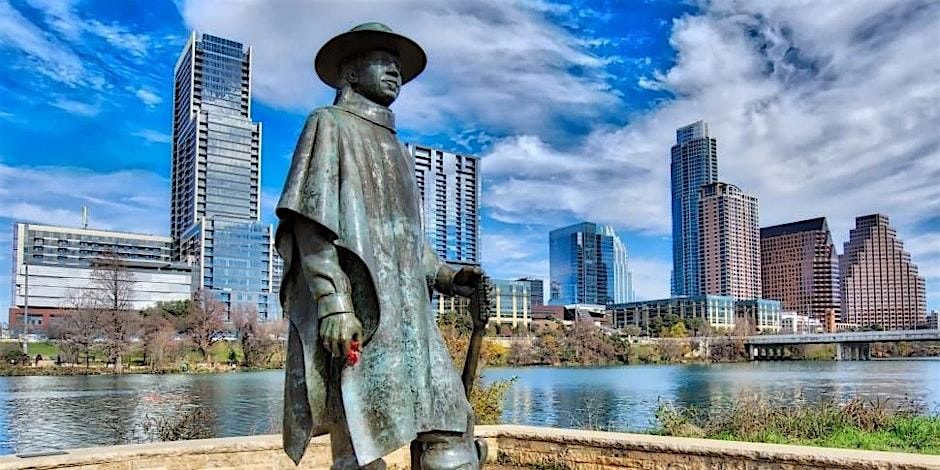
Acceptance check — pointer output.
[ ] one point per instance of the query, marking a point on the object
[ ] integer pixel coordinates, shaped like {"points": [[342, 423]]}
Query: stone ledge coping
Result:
{"points": [[734, 450], [777, 453], [102, 455]]}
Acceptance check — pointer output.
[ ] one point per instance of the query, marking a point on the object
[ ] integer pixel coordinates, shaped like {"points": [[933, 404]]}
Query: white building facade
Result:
{"points": [[52, 264]]}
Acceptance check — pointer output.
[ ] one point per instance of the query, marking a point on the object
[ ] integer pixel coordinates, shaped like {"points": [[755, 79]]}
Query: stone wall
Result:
{"points": [[510, 447], [527, 446]]}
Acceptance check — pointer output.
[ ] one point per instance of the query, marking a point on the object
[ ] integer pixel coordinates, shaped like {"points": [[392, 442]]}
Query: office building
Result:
{"points": [[879, 283], [800, 267], [694, 164], [729, 242], [449, 188], [52, 265], [762, 314], [932, 322], [215, 176], [536, 290], [719, 312], [511, 303], [792, 323], [588, 265]]}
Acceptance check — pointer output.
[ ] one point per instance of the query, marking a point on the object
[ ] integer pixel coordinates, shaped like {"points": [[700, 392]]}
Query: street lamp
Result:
{"points": [[25, 286]]}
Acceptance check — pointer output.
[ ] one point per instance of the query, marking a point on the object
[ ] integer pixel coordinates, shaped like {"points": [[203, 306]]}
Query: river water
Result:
{"points": [[44, 413]]}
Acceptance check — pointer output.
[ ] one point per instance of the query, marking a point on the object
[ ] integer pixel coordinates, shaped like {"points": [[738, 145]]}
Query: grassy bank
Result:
{"points": [[187, 360], [857, 424]]}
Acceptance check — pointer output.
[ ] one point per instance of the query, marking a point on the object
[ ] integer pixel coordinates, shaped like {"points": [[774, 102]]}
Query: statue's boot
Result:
{"points": [[448, 451]]}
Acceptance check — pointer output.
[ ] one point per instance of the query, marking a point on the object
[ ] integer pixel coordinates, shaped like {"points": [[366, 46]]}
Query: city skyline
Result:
{"points": [[800, 134]]}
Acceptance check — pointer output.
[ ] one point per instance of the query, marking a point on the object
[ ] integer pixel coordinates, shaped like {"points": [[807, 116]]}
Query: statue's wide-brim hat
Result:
{"points": [[364, 38]]}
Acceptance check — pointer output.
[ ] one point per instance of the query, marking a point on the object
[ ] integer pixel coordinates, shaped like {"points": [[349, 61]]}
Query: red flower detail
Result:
{"points": [[352, 356]]}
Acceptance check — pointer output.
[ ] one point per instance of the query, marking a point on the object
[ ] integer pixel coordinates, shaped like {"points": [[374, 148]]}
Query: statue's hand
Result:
{"points": [[337, 331], [467, 280]]}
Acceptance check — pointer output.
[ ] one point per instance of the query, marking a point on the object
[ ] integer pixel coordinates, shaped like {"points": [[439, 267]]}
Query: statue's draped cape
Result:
{"points": [[352, 177]]}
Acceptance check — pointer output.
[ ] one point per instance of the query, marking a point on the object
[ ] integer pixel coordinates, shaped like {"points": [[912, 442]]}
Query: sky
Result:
{"points": [[819, 109]]}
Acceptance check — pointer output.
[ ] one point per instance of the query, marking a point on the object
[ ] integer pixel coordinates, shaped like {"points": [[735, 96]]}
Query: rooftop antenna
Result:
{"points": [[84, 216]]}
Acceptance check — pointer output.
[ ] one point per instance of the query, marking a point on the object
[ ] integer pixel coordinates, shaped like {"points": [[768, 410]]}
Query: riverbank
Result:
{"points": [[856, 424], [46, 358], [569, 347]]}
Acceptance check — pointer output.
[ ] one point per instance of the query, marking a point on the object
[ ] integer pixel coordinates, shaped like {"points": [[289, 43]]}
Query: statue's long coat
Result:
{"points": [[352, 176]]}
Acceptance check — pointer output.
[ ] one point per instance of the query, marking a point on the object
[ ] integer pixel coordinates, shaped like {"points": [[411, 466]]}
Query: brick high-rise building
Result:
{"points": [[800, 267], [729, 242], [879, 283]]}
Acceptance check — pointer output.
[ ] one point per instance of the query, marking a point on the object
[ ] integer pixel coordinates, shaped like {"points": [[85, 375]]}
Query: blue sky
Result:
{"points": [[820, 109]]}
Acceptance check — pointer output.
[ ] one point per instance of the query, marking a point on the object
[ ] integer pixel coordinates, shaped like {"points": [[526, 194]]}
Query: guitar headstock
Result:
{"points": [[482, 303]]}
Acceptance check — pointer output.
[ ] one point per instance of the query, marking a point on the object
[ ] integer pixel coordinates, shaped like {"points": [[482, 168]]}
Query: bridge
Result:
{"points": [[854, 345]]}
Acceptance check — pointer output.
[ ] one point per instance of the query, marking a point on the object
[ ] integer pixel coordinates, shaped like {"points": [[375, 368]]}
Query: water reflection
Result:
{"points": [[42, 413], [626, 398]]}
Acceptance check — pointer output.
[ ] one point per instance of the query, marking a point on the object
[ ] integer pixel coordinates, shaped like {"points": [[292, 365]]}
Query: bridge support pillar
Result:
{"points": [[840, 352]]}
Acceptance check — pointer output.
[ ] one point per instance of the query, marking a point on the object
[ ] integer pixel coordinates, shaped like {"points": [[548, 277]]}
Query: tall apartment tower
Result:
{"points": [[729, 242], [800, 267], [879, 283], [449, 187], [588, 264], [215, 176], [694, 164]]}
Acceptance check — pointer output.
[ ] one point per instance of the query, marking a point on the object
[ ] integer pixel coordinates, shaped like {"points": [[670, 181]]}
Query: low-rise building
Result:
{"points": [[511, 303], [765, 314], [52, 264], [717, 311], [794, 323]]}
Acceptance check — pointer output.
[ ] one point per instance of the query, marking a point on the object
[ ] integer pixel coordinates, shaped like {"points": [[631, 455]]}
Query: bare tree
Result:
{"points": [[247, 327], [159, 340], [111, 292], [204, 323], [260, 341], [76, 332]]}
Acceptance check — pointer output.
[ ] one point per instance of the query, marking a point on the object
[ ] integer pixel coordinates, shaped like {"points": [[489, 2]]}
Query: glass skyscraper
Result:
{"points": [[588, 265], [694, 164], [216, 171]]}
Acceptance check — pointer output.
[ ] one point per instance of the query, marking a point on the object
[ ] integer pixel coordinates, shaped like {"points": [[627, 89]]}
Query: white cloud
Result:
{"points": [[148, 97], [925, 253], [818, 108], [76, 107], [650, 277], [153, 137], [500, 65], [51, 58], [516, 253], [122, 200], [62, 16]]}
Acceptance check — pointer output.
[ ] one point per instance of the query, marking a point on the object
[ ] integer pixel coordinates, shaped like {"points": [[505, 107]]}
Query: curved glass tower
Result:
{"points": [[588, 264], [694, 164]]}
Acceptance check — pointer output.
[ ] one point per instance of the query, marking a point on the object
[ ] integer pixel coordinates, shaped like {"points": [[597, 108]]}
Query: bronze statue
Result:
{"points": [[365, 361]]}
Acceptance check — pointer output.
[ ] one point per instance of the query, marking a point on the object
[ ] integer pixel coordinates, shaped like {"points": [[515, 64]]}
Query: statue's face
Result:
{"points": [[376, 76]]}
